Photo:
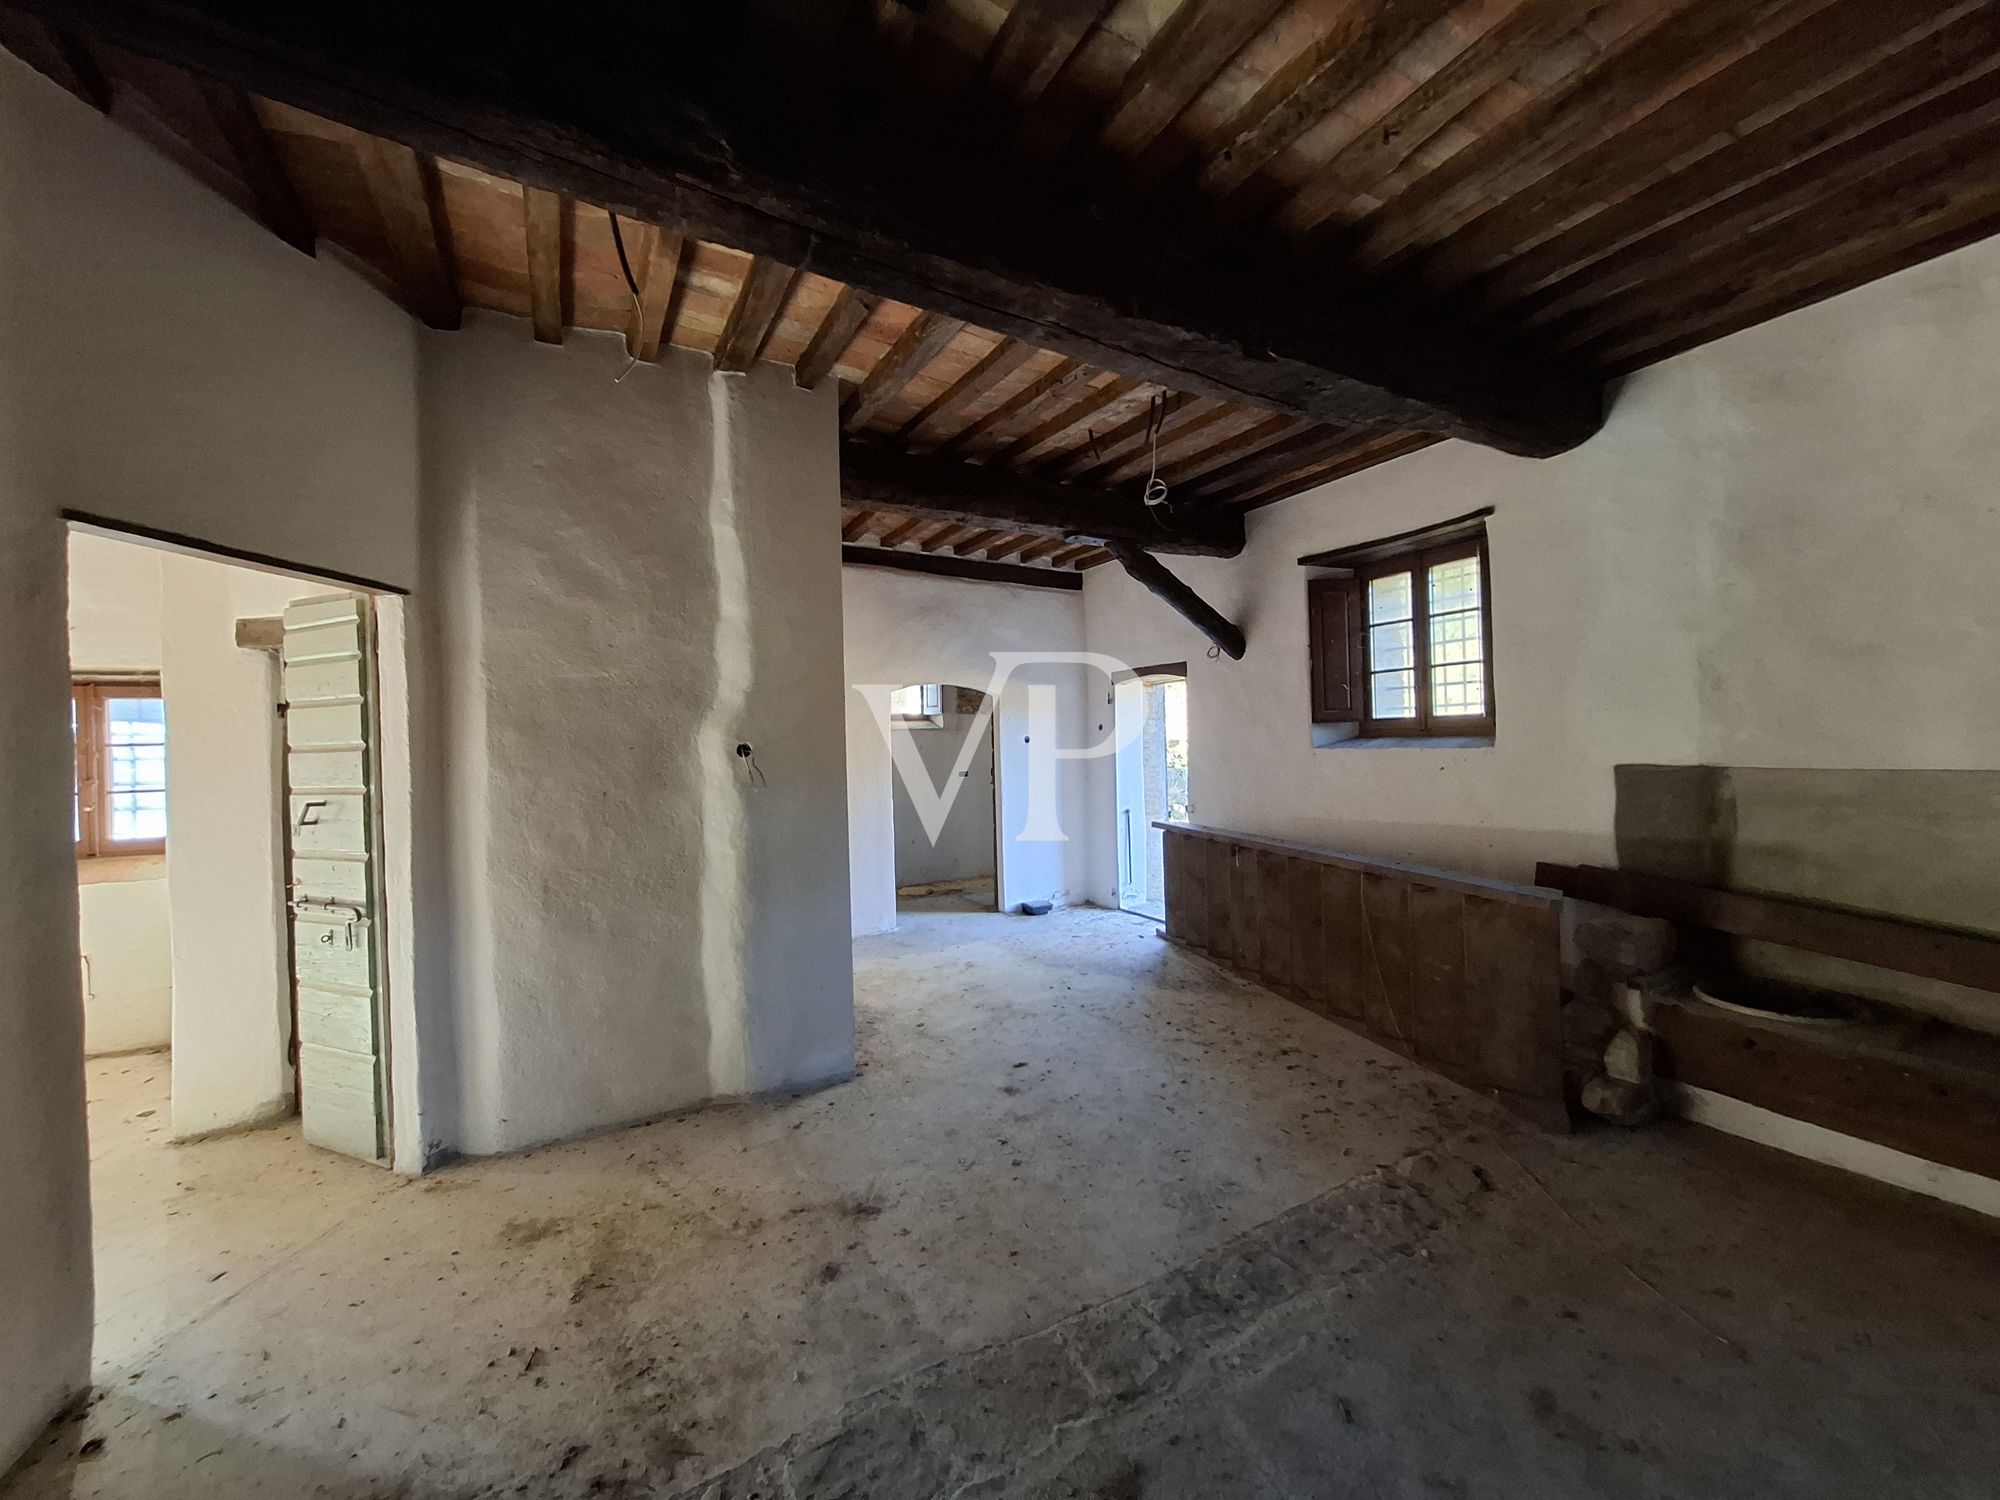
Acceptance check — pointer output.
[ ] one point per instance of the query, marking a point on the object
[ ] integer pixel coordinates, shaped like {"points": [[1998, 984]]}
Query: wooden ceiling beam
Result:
{"points": [[718, 123], [830, 340], [658, 272], [1784, 262], [1366, 456], [404, 189], [1199, 432], [1965, 111], [1652, 63], [1819, 53], [951, 536], [1285, 457], [1002, 361], [56, 55], [1011, 545], [856, 526], [754, 313], [1035, 42], [542, 216], [1152, 575], [878, 478], [1363, 41], [1384, 144], [1065, 423], [921, 342], [968, 568], [1070, 556], [1964, 50], [1258, 435], [896, 535], [1196, 44], [978, 541], [1967, 219], [1042, 548], [1182, 415], [257, 163], [1002, 419]]}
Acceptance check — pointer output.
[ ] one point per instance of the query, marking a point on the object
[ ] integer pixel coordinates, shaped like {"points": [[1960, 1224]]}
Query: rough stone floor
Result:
{"points": [[1095, 1221]]}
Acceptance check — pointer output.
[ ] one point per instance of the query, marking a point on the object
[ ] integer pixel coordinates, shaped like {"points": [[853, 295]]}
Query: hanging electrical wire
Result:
{"points": [[632, 286], [1155, 492]]}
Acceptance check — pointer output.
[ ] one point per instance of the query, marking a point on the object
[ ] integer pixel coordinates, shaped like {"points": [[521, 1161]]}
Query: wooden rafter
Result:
{"points": [[1195, 45], [57, 55], [920, 344], [1192, 428], [1070, 420], [836, 331], [756, 308], [1282, 457], [876, 477], [896, 535], [1371, 155], [657, 270], [1034, 43], [985, 571], [1610, 182], [256, 160], [1018, 407], [1365, 39], [785, 163], [403, 187], [542, 216], [1001, 361]]}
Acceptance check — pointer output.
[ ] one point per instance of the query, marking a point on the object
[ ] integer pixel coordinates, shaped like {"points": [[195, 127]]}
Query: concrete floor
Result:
{"points": [[1096, 1220]]}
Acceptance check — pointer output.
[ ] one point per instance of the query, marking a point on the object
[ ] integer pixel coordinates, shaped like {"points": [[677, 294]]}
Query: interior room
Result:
{"points": [[1129, 749], [946, 845]]}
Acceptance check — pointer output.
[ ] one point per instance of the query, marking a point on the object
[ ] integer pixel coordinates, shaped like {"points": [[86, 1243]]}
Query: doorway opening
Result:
{"points": [[233, 910], [1152, 774], [946, 853]]}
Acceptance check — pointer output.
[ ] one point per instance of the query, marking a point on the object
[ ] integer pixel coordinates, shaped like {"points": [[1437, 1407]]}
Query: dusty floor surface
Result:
{"points": [[1095, 1221]]}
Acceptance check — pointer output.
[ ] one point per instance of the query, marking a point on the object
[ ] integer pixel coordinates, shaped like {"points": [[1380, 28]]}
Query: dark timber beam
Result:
{"points": [[746, 123], [879, 478], [1153, 575], [961, 567]]}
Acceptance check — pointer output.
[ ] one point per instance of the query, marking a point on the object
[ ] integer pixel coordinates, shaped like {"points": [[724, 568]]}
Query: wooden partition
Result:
{"points": [[1459, 973]]}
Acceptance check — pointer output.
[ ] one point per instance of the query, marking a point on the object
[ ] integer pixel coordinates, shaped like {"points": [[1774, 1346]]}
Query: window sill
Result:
{"points": [[1410, 742]]}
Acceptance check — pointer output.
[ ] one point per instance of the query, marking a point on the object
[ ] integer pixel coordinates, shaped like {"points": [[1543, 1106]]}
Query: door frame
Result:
{"points": [[1130, 827], [402, 838]]}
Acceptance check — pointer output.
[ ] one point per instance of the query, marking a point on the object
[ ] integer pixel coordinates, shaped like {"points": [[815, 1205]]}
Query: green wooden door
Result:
{"points": [[336, 888]]}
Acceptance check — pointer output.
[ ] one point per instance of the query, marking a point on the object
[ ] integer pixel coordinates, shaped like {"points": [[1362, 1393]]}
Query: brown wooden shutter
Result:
{"points": [[1333, 625]]}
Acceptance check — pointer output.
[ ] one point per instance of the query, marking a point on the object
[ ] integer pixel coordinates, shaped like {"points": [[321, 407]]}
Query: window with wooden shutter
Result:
{"points": [[1402, 639], [120, 734], [1334, 622]]}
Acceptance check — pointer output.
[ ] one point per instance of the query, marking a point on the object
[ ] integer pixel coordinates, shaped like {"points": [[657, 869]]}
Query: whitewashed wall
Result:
{"points": [[634, 577], [911, 627], [150, 373], [1778, 553]]}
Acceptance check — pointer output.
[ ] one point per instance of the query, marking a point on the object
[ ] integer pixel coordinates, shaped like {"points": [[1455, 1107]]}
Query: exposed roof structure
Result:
{"points": [[1486, 208]]}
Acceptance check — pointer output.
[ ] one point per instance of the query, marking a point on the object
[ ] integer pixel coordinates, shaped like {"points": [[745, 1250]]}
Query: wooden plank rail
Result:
{"points": [[1919, 1086], [1457, 972], [1942, 953]]}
